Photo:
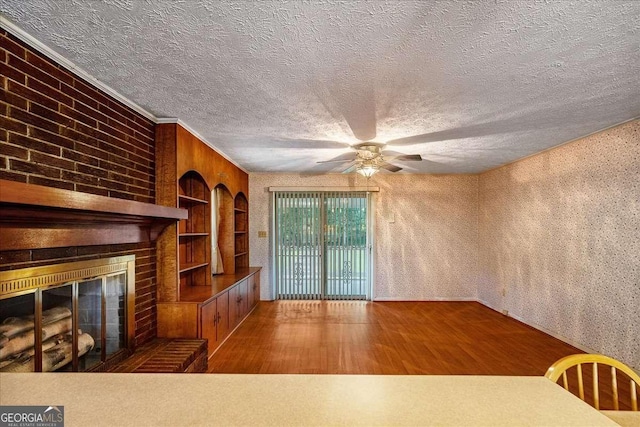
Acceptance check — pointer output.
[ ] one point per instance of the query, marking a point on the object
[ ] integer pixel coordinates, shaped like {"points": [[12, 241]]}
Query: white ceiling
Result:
{"points": [[280, 85]]}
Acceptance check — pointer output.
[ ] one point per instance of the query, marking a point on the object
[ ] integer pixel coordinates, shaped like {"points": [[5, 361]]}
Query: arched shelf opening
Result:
{"points": [[241, 231], [223, 220], [194, 233]]}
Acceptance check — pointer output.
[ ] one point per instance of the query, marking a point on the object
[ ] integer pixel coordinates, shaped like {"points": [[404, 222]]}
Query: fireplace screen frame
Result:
{"points": [[36, 280]]}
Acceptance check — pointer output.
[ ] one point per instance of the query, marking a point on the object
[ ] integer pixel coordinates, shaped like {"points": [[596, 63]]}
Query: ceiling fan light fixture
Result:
{"points": [[367, 169]]}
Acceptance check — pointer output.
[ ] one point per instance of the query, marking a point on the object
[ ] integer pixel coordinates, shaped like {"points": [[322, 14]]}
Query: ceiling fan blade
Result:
{"points": [[410, 158], [401, 156], [358, 107], [351, 168], [502, 126], [361, 117], [316, 170], [323, 169], [390, 167], [346, 157], [356, 104], [267, 141]]}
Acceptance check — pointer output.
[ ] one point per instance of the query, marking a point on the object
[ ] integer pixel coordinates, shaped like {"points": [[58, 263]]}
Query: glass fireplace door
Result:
{"points": [[57, 328], [90, 320], [114, 314], [67, 317]]}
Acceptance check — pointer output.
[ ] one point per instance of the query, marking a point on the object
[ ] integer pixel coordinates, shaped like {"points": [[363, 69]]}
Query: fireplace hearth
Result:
{"points": [[76, 316]]}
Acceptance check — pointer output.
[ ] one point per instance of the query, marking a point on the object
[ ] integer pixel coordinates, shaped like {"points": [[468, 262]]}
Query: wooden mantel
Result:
{"points": [[34, 217]]}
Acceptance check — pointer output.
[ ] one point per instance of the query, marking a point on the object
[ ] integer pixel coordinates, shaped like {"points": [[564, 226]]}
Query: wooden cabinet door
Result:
{"points": [[223, 317], [243, 290], [208, 322], [254, 290], [237, 303], [234, 307]]}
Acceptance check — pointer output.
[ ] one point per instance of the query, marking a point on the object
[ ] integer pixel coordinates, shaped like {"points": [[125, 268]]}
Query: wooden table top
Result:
{"points": [[278, 400], [624, 418]]}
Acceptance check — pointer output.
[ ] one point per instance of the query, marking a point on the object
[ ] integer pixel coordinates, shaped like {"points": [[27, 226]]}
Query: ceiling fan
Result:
{"points": [[369, 157], [356, 105]]}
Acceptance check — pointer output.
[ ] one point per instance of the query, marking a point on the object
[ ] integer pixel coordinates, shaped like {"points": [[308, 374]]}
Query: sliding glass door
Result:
{"points": [[322, 245]]}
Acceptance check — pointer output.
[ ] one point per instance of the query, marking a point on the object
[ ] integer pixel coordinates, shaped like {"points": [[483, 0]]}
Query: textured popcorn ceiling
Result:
{"points": [[278, 86]]}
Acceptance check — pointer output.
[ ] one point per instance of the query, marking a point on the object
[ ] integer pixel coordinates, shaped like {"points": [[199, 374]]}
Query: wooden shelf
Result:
{"points": [[193, 234], [184, 267], [239, 210], [240, 232], [34, 216], [219, 283], [189, 199], [241, 253]]}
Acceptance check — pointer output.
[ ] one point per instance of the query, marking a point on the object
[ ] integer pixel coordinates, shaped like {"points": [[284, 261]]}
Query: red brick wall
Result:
{"points": [[59, 131]]}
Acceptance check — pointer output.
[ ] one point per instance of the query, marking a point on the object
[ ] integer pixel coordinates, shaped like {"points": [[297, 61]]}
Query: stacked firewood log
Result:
{"points": [[17, 341]]}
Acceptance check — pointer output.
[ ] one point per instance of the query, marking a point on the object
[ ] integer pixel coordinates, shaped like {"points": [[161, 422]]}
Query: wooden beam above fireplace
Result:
{"points": [[34, 217]]}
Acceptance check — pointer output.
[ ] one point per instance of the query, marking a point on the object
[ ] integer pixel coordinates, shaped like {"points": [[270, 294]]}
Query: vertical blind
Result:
{"points": [[321, 245]]}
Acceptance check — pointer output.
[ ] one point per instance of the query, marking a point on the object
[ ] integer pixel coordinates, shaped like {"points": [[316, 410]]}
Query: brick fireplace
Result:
{"points": [[59, 131], [76, 315]]}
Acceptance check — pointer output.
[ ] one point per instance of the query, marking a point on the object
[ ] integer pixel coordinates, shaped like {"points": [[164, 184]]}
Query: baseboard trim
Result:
{"points": [[534, 325], [400, 299], [579, 346], [543, 329]]}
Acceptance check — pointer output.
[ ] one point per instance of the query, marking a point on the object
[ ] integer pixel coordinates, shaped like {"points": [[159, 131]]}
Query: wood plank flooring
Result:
{"points": [[340, 337], [396, 338]]}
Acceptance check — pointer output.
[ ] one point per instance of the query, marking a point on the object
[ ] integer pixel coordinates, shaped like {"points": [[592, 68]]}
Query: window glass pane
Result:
{"points": [[57, 345], [115, 313], [89, 323], [16, 334]]}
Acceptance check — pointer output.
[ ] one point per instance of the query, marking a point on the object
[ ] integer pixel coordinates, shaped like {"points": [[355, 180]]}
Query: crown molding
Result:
{"points": [[321, 189], [560, 145], [61, 60], [165, 120]]}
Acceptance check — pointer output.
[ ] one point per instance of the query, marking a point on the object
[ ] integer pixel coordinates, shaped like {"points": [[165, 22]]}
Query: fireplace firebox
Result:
{"points": [[76, 316]]}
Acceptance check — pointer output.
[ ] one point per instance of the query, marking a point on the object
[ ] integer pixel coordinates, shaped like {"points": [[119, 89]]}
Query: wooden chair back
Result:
{"points": [[559, 370]]}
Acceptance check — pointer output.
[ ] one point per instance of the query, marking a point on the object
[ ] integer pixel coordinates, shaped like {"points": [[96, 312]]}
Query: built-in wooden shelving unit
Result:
{"points": [[194, 301]]}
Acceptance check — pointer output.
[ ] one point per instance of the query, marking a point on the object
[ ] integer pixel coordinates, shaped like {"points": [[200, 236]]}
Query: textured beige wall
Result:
{"points": [[428, 252], [560, 236]]}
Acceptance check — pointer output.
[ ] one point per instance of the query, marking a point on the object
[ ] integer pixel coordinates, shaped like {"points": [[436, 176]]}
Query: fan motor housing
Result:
{"points": [[369, 150]]}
